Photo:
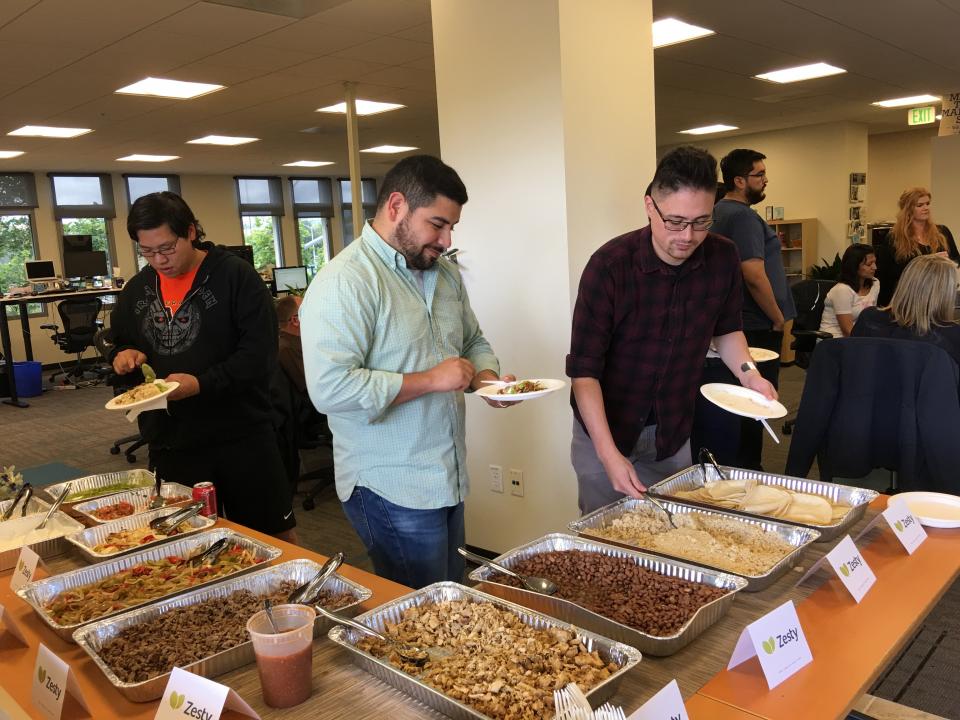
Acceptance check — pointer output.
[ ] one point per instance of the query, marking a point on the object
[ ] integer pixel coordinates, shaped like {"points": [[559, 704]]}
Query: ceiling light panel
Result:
{"points": [[222, 140], [364, 107], [148, 158], [389, 149], [905, 101], [7, 154], [308, 163], [671, 31], [49, 131], [708, 129], [177, 89], [801, 72]]}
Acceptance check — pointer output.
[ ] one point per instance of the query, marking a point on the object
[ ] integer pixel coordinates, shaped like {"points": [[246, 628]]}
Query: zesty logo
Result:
{"points": [[904, 523], [769, 645], [48, 683], [41, 674], [851, 565], [21, 566], [176, 700], [844, 570]]}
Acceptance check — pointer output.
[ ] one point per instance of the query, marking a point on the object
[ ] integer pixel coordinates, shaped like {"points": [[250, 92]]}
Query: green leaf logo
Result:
{"points": [[21, 566], [844, 570], [176, 700], [42, 674], [769, 646], [899, 526]]}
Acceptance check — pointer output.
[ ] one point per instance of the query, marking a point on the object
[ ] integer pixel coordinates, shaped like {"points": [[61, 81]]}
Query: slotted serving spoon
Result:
{"points": [[407, 651], [530, 582]]}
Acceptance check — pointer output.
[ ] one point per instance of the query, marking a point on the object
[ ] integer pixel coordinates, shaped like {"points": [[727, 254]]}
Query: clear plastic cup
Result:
{"points": [[284, 659]]}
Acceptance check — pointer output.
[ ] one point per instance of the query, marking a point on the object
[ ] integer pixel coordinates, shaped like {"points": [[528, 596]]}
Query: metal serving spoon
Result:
{"points": [[268, 606], [53, 508], [530, 582], [407, 651], [651, 499], [307, 593], [167, 523]]}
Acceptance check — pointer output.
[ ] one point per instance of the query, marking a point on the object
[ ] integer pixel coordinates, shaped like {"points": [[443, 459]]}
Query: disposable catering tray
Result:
{"points": [[140, 499], [86, 540], [34, 505], [19, 529], [796, 536], [609, 650], [92, 638], [570, 612], [136, 477], [693, 478], [39, 592]]}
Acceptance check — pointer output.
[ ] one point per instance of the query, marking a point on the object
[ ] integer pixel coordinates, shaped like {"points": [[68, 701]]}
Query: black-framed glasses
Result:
{"points": [[761, 174], [679, 225], [168, 249]]}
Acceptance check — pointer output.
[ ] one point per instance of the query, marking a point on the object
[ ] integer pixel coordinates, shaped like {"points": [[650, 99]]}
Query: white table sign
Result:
{"points": [[11, 626], [905, 525], [778, 642], [851, 568], [193, 696], [52, 680], [25, 568], [665, 705]]}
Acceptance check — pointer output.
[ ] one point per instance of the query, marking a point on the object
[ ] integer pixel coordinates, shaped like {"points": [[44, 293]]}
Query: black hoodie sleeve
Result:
{"points": [[256, 350]]}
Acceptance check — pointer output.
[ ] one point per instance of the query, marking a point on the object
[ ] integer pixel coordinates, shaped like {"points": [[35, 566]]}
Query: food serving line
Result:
{"points": [[850, 643]]}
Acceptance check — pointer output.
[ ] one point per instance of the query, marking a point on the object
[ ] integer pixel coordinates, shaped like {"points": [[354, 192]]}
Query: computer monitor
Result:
{"points": [[78, 243], [40, 270], [286, 279], [85, 264], [244, 251]]}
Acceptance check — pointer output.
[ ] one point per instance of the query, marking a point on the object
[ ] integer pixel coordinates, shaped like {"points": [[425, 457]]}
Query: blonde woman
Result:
{"points": [[914, 233], [922, 307]]}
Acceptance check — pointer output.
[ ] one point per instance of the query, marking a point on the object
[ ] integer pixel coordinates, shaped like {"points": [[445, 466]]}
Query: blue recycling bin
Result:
{"points": [[28, 376]]}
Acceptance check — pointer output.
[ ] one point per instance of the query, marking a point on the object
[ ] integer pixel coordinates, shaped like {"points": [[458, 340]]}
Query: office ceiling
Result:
{"points": [[282, 59]]}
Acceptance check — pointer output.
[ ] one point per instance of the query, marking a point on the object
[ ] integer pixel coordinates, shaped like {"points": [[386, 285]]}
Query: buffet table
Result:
{"points": [[851, 644]]}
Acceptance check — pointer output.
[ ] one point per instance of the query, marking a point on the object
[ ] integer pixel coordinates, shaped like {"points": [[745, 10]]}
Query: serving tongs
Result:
{"points": [[164, 525], [307, 593], [56, 506], [705, 453], [210, 553], [24, 493]]}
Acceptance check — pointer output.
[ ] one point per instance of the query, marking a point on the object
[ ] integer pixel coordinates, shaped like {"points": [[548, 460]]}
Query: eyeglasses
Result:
{"points": [[168, 249], [679, 225], [761, 174]]}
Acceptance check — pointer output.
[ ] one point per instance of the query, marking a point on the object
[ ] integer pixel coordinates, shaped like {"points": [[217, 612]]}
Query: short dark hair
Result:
{"points": [[420, 178], [686, 167], [738, 163], [853, 256], [286, 308], [162, 208]]}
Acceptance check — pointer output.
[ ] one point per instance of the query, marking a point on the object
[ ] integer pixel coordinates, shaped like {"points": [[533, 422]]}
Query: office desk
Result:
{"points": [[22, 303]]}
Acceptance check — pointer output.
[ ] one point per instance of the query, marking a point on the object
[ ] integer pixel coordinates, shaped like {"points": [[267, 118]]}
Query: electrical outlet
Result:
{"points": [[496, 478], [516, 482]]}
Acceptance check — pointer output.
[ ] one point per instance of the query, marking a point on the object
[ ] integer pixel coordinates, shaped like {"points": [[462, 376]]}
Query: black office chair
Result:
{"points": [[120, 384], [80, 319], [808, 297]]}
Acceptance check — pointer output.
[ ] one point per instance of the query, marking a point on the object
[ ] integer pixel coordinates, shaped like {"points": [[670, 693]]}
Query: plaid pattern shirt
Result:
{"points": [[642, 328]]}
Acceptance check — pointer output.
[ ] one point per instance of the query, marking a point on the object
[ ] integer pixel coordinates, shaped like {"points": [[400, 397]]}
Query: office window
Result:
{"points": [[261, 205], [140, 185], [18, 241], [368, 198], [82, 204], [313, 209]]}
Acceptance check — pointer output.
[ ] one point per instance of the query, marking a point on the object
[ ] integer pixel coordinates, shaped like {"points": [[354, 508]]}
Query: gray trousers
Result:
{"points": [[594, 486]]}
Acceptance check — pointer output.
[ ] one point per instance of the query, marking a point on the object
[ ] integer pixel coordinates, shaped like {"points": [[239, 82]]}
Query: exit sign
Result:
{"points": [[921, 115]]}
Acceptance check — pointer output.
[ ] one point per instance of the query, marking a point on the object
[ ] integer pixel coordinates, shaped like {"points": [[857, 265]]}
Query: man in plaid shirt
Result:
{"points": [[649, 304]]}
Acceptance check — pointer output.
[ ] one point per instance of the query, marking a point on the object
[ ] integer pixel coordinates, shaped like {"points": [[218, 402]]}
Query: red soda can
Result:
{"points": [[206, 493]]}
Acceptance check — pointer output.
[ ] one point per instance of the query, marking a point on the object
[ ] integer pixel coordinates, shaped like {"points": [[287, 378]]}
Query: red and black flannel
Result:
{"points": [[642, 328]]}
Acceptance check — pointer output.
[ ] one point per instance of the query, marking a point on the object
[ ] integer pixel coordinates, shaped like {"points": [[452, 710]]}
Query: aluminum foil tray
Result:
{"points": [[93, 482], [88, 539], [609, 650], [693, 478], [94, 636], [140, 499], [570, 612], [39, 592], [45, 548], [795, 535]]}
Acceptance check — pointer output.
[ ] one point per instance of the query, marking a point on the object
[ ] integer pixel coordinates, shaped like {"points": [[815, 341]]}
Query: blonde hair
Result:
{"points": [[926, 294], [905, 245]]}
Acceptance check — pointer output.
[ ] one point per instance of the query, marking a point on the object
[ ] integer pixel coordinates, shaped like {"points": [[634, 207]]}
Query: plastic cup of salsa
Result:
{"points": [[284, 659]]}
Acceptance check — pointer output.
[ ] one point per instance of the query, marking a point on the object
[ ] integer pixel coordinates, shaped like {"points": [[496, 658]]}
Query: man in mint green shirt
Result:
{"points": [[390, 344]]}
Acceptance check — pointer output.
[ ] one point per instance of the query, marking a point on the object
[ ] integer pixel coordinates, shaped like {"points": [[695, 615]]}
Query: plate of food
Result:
{"points": [[762, 354], [143, 394], [932, 509], [742, 401], [518, 390]]}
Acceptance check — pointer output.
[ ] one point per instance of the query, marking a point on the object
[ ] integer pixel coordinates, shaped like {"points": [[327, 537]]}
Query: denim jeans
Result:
{"points": [[409, 546]]}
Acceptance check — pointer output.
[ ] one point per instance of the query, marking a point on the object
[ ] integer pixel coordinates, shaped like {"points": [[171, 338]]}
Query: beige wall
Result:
{"points": [[945, 181], [895, 162]]}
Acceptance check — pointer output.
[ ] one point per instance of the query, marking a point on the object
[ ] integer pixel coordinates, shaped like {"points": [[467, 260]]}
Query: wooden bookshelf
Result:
{"points": [[798, 247]]}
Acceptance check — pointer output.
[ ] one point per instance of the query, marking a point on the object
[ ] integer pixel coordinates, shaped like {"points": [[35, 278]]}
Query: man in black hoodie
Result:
{"points": [[203, 317]]}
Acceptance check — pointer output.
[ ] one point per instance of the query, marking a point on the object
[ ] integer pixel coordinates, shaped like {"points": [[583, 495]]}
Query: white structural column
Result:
{"points": [[546, 110]]}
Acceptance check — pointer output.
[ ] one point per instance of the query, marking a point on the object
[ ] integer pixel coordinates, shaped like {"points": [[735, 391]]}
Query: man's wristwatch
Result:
{"points": [[748, 366]]}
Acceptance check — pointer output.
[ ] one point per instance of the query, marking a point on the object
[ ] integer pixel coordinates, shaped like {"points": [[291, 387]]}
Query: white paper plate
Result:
{"points": [[932, 509], [112, 405], [492, 391], [742, 401], [762, 354]]}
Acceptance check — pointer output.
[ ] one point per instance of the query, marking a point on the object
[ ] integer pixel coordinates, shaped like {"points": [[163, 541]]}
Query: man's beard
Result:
{"points": [[416, 257], [754, 196]]}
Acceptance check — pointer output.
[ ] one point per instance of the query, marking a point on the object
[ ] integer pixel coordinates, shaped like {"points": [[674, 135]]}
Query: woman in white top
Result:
{"points": [[857, 289]]}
